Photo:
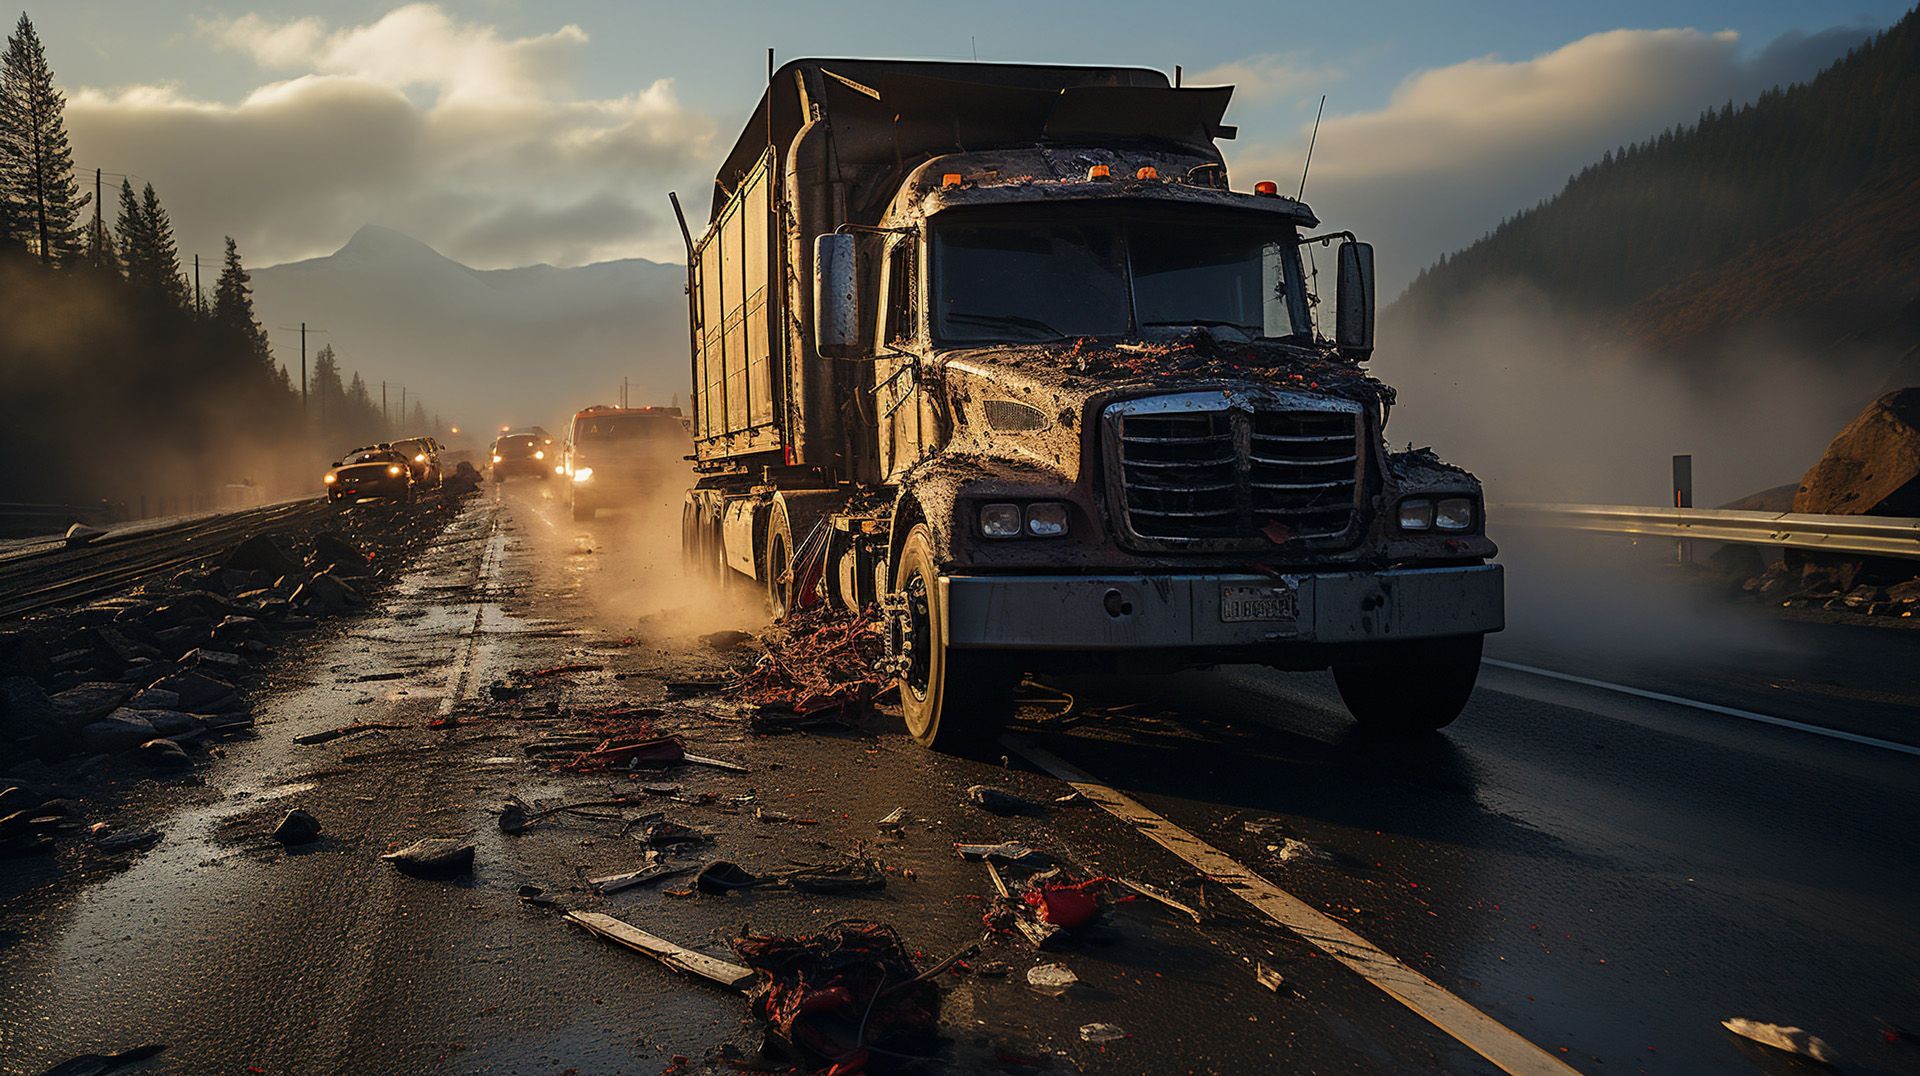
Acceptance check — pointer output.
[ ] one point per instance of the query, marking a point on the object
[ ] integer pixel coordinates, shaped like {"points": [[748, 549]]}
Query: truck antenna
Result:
{"points": [[1310, 142]]}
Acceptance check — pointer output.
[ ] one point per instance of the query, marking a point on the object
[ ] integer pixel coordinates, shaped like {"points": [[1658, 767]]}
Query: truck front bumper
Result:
{"points": [[1159, 612]]}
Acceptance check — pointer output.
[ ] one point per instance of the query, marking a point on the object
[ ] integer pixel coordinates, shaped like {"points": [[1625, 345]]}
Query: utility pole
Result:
{"points": [[199, 307], [403, 403], [386, 420], [99, 228], [303, 360]]}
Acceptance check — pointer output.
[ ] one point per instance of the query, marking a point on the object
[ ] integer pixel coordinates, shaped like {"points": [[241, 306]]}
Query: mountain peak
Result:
{"points": [[380, 239]]}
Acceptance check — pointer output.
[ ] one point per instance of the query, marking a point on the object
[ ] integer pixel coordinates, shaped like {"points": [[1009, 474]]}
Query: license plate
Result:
{"points": [[1241, 603]]}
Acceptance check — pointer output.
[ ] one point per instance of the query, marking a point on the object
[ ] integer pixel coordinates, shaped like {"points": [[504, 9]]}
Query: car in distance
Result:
{"points": [[615, 456], [423, 459], [376, 472], [522, 454]]}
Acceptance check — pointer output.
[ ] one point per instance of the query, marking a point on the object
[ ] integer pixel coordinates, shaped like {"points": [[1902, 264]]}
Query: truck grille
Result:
{"points": [[1194, 471]]}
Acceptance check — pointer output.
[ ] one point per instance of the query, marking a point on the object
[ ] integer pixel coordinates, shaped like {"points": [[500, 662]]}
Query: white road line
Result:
{"points": [[1712, 708], [1469, 1026]]}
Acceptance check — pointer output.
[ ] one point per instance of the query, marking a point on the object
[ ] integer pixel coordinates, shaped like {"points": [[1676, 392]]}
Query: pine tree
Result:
{"points": [[329, 395], [36, 163], [166, 278], [233, 304], [417, 420], [135, 248]]}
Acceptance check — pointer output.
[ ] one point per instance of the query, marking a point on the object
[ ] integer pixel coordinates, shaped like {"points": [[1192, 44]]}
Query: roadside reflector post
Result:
{"points": [[1683, 498]]}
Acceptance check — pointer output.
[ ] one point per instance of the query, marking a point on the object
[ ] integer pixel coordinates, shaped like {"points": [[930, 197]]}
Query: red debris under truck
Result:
{"points": [[998, 349]]}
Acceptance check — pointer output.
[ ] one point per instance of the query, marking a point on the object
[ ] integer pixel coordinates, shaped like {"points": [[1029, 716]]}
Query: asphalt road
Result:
{"points": [[1606, 875]]}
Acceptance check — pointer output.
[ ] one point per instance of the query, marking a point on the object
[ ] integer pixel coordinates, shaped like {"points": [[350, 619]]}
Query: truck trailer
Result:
{"points": [[995, 354]]}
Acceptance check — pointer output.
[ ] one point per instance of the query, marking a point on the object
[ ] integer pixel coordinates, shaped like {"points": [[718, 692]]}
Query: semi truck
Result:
{"points": [[996, 356]]}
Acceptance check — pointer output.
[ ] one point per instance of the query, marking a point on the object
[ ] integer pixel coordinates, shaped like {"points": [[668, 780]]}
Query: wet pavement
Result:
{"points": [[1606, 875]]}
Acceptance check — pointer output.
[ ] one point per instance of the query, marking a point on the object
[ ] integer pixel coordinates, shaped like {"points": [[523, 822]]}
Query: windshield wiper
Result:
{"points": [[1015, 321], [1205, 323]]}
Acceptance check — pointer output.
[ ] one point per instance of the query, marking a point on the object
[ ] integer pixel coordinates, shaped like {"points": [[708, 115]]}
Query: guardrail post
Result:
{"points": [[1683, 498]]}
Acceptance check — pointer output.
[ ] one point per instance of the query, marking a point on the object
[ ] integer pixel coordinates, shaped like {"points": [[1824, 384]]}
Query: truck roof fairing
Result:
{"points": [[935, 107]]}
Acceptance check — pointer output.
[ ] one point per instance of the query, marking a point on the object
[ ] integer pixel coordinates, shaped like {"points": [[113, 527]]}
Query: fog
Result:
{"points": [[1550, 407], [1547, 405]]}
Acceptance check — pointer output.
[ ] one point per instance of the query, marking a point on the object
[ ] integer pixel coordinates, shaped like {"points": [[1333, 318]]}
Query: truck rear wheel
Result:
{"points": [[776, 565], [954, 701], [1412, 687]]}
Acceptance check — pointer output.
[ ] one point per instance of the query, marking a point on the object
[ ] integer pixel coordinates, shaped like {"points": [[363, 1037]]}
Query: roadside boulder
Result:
{"points": [[1873, 467], [165, 754], [25, 709], [120, 731], [331, 552], [325, 593], [219, 662], [21, 654], [197, 692], [85, 703], [261, 553]]}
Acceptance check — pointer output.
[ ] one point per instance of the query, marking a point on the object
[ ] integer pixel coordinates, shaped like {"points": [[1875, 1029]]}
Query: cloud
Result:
{"points": [[1458, 148], [1270, 76], [443, 128]]}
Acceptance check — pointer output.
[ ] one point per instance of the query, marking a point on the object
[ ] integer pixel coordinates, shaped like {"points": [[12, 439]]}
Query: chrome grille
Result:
{"points": [[1210, 470]]}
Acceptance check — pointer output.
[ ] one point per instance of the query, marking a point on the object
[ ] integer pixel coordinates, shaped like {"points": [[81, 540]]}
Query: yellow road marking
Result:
{"points": [[1469, 1026]]}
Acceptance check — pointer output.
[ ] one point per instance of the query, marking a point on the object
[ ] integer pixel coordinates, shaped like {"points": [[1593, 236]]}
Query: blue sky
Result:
{"points": [[431, 118]]}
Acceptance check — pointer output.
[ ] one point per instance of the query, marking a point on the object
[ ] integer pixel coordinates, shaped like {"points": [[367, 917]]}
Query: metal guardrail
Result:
{"points": [[1879, 536]]}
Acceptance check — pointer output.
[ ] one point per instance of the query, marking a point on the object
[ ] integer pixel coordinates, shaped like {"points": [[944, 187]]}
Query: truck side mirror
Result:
{"points": [[836, 296], [1353, 319]]}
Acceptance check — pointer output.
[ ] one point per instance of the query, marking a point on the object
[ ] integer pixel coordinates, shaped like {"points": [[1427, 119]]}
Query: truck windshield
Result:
{"points": [[1023, 281], [623, 428]]}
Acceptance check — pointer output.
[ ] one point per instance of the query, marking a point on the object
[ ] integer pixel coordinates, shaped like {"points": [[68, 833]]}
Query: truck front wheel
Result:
{"points": [[954, 701], [1411, 687]]}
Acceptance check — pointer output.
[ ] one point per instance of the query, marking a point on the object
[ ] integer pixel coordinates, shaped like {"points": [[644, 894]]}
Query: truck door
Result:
{"points": [[903, 409]]}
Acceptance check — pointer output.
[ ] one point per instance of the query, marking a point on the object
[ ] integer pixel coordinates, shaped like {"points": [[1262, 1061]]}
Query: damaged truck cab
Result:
{"points": [[996, 351]]}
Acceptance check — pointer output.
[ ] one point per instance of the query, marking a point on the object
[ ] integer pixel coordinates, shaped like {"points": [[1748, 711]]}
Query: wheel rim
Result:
{"points": [[919, 671]]}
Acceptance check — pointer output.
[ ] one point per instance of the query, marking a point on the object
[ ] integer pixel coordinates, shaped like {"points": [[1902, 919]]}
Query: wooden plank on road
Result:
{"points": [[677, 957]]}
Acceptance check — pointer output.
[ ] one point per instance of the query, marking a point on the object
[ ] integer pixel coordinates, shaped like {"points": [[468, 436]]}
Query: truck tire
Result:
{"points": [[953, 701], [776, 563], [1405, 689]]}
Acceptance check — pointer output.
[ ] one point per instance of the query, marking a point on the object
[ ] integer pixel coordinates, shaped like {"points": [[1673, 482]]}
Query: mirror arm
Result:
{"points": [[1328, 237]]}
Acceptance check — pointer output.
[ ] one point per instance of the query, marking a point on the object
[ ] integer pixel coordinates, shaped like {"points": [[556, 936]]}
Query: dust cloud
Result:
{"points": [[1549, 406], [626, 563], [1554, 408]]}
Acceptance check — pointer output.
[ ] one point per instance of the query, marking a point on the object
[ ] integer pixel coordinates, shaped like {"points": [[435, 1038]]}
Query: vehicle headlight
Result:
{"points": [[539, 453], [496, 459], [393, 469], [1001, 520], [581, 474], [1454, 514], [1416, 514], [421, 458], [330, 478], [1047, 519]]}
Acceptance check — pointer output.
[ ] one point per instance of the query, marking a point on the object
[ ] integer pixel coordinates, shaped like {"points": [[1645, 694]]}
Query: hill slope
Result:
{"points": [[1744, 202], [484, 347]]}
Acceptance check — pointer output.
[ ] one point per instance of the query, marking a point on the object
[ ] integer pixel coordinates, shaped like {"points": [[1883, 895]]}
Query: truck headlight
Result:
{"points": [[539, 453], [496, 458], [1416, 514], [1047, 519], [330, 478], [421, 458], [1001, 520], [393, 469], [1454, 514], [581, 474]]}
